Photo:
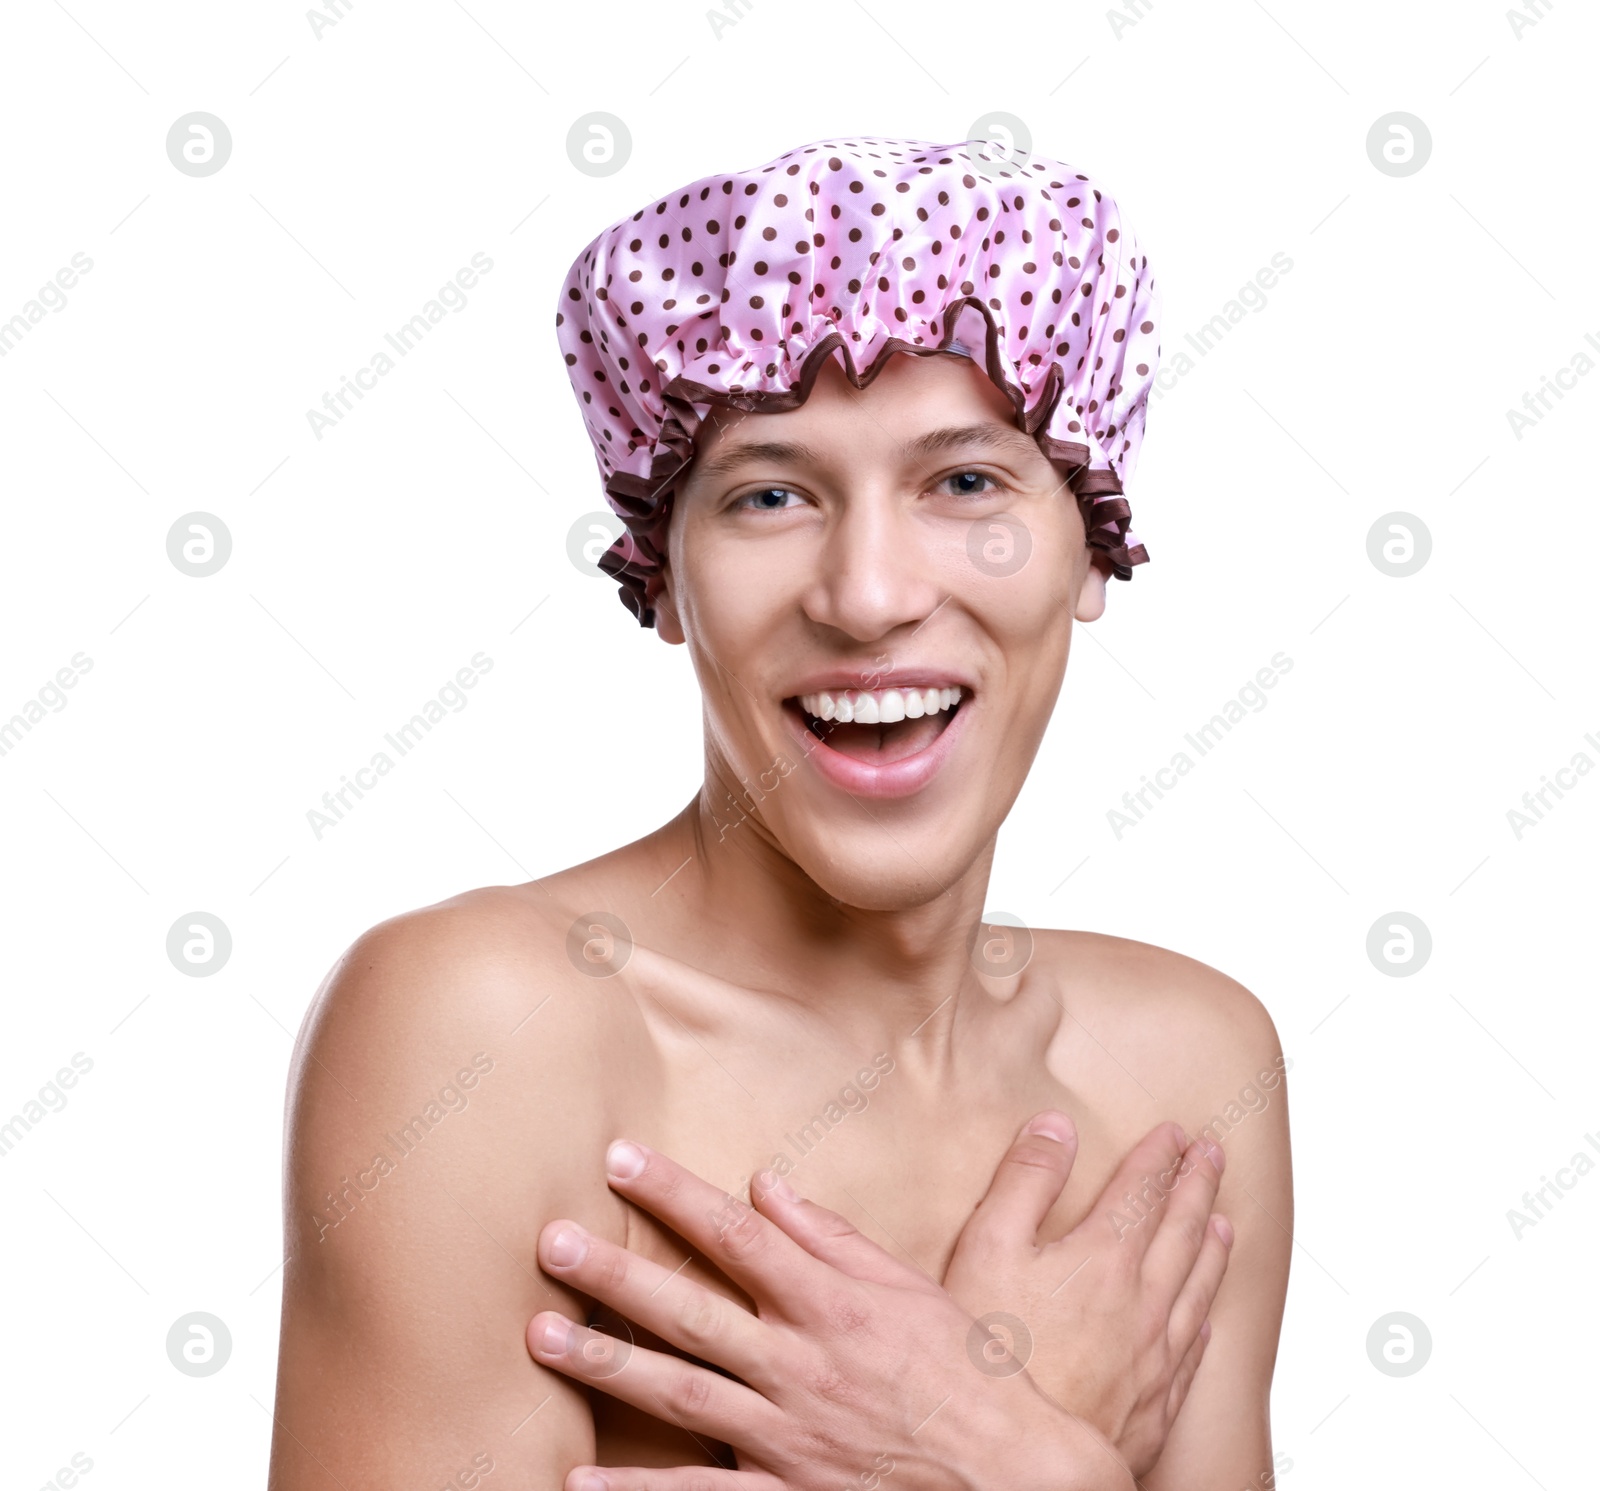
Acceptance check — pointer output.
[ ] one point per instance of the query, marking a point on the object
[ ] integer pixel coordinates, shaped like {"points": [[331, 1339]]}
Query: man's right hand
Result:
{"points": [[1110, 1320]]}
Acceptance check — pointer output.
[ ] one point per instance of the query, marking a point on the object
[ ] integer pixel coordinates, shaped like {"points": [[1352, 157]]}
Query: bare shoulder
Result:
{"points": [[1149, 1035], [1163, 1036], [472, 1003], [447, 1099], [466, 967], [1190, 1033]]}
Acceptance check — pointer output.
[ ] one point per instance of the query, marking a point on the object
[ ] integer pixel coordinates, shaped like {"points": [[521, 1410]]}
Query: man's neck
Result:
{"points": [[746, 912]]}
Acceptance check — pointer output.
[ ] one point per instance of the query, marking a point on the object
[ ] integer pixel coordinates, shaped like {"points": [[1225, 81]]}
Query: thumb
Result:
{"points": [[1025, 1187], [828, 1236]]}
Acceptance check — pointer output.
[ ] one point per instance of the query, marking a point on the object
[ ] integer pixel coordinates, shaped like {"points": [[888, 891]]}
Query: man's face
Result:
{"points": [[852, 548]]}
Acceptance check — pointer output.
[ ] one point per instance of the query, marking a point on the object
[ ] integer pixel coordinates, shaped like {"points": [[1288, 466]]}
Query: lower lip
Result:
{"points": [[902, 778]]}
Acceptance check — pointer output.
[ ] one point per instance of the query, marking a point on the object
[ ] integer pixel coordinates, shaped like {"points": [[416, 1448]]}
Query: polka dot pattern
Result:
{"points": [[731, 291]]}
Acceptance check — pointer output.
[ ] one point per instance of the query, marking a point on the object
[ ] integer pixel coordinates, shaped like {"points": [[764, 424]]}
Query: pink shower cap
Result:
{"points": [[731, 291]]}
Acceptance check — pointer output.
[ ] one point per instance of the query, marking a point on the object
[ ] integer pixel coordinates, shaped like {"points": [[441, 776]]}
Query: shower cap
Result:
{"points": [[730, 292]]}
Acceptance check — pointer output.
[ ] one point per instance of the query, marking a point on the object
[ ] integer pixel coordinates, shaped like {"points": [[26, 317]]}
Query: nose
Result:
{"points": [[875, 570]]}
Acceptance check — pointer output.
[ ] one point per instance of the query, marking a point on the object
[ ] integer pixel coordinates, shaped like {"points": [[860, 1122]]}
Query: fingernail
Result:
{"points": [[1055, 1126], [591, 1480], [624, 1160], [553, 1337], [1224, 1229], [1217, 1157], [567, 1247], [769, 1183]]}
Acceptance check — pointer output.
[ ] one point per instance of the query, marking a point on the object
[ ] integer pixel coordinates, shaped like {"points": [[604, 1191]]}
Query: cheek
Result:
{"points": [[1018, 578], [728, 593]]}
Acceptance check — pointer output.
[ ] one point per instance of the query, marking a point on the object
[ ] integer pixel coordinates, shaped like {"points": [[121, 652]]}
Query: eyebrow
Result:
{"points": [[793, 453]]}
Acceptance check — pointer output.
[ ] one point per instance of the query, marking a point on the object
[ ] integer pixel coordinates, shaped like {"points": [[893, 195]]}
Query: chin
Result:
{"points": [[874, 867]]}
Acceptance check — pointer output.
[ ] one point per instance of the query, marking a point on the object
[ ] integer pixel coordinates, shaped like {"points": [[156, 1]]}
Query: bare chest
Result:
{"points": [[904, 1166]]}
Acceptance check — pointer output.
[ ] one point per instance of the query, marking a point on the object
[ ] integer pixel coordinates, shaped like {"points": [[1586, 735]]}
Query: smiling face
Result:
{"points": [[879, 654]]}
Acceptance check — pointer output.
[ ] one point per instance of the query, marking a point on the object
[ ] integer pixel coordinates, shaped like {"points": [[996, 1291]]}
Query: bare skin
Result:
{"points": [[781, 940], [849, 1347]]}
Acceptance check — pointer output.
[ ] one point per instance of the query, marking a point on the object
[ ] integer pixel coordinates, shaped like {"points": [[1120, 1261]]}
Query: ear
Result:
{"points": [[661, 598], [1092, 593]]}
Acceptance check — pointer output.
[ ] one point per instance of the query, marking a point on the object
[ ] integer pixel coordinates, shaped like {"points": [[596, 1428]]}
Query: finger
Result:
{"points": [[686, 1314], [1199, 1291], [1026, 1185], [1134, 1196], [756, 1254], [830, 1237], [667, 1478], [1181, 1228], [1183, 1378], [663, 1385]]}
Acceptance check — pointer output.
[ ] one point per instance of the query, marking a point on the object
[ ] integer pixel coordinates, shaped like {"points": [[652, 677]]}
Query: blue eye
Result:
{"points": [[963, 480], [759, 501]]}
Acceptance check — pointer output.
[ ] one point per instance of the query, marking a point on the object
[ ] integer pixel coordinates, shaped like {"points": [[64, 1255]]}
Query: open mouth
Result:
{"points": [[878, 726]]}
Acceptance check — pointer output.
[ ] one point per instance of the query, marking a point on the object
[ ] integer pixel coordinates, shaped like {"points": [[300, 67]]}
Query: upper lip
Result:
{"points": [[867, 677]]}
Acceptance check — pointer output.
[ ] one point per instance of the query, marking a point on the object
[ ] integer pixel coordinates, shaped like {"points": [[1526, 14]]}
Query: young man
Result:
{"points": [[867, 413]]}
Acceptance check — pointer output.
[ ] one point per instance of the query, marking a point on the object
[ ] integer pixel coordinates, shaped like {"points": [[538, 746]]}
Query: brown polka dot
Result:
{"points": [[918, 203]]}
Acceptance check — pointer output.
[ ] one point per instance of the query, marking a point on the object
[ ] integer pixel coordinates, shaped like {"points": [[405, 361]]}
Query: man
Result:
{"points": [[834, 533]]}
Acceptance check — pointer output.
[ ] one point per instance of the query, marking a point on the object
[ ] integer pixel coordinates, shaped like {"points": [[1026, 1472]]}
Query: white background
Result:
{"points": [[367, 167]]}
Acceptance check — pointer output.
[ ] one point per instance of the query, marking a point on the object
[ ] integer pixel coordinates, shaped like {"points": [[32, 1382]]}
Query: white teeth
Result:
{"points": [[879, 706]]}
